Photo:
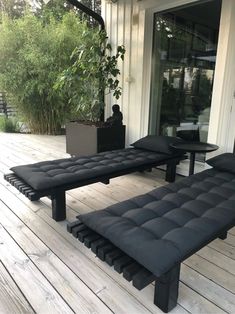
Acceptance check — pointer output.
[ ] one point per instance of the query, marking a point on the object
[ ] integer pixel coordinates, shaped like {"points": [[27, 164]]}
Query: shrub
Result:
{"points": [[94, 71], [33, 54], [9, 125]]}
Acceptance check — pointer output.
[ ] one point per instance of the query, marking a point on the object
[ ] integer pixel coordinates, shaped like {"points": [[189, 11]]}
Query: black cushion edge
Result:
{"points": [[157, 143], [223, 162]]}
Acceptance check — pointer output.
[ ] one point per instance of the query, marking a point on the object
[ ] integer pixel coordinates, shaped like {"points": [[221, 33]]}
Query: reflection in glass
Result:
{"points": [[183, 64]]}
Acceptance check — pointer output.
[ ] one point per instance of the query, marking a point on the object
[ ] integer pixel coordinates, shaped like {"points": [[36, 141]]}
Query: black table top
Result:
{"points": [[195, 147]]}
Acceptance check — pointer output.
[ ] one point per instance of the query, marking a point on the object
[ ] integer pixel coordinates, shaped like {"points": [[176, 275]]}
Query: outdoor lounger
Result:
{"points": [[147, 237], [54, 178]]}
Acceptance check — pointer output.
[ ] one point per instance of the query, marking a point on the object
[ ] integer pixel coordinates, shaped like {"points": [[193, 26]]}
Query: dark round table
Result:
{"points": [[193, 148]]}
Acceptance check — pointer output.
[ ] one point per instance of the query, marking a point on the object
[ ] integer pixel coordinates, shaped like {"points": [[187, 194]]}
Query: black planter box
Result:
{"points": [[82, 139]]}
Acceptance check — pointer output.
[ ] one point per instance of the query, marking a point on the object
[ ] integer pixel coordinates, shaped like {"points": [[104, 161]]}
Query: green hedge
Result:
{"points": [[33, 55], [9, 125]]}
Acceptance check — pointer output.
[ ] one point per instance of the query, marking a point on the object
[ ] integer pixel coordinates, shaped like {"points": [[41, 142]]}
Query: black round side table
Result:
{"points": [[193, 148]]}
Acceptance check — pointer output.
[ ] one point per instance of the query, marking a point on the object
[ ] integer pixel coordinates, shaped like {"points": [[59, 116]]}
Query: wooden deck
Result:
{"points": [[43, 269]]}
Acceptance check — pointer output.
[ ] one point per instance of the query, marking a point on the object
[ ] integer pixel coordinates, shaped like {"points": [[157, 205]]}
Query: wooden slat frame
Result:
{"points": [[108, 252]]}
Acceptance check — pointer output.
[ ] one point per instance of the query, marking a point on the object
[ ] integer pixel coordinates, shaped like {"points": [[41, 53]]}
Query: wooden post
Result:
{"points": [[58, 202], [223, 235], [166, 289], [170, 172]]}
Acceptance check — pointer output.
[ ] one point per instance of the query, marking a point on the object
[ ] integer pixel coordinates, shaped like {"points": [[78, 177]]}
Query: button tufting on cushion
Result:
{"points": [[163, 227], [53, 173]]}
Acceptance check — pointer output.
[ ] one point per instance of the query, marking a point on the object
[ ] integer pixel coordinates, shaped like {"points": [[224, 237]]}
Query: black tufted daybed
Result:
{"points": [[54, 178], [147, 237]]}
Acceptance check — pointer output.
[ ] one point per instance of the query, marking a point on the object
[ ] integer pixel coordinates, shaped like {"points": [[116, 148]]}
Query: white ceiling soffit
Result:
{"points": [[163, 4]]}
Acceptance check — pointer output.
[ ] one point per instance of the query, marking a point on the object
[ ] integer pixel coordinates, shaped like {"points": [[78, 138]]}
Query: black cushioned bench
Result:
{"points": [[147, 237], [54, 178]]}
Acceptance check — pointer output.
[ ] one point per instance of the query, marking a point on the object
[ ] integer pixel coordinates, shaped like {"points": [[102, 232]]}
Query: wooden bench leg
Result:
{"points": [[170, 172], [166, 290], [223, 235], [58, 202], [106, 181]]}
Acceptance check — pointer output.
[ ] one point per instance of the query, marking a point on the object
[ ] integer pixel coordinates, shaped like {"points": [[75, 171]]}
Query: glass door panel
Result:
{"points": [[184, 56]]}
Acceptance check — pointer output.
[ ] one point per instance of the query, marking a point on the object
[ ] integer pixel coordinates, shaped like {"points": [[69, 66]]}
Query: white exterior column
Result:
{"points": [[222, 117]]}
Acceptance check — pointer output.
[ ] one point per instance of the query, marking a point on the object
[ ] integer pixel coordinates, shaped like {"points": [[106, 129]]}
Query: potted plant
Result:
{"points": [[92, 74]]}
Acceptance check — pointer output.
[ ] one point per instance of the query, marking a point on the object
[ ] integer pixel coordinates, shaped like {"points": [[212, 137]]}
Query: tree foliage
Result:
{"points": [[32, 57], [95, 5], [94, 70], [55, 8], [13, 8], [58, 8]]}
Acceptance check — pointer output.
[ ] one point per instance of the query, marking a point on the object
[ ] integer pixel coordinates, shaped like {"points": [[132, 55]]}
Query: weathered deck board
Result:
{"points": [[213, 292], [232, 231], [40, 294], [217, 258], [223, 248], [11, 298], [74, 291], [213, 272], [79, 281]]}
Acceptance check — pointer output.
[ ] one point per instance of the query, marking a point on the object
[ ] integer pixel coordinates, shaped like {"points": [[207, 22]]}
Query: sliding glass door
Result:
{"points": [[184, 56]]}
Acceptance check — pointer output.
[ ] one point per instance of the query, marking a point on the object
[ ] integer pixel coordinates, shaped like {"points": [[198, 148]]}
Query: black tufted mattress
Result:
{"points": [[50, 174], [162, 228]]}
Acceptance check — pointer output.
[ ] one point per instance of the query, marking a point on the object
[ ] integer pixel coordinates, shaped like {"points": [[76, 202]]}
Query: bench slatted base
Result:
{"points": [[57, 196], [23, 187], [166, 287]]}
